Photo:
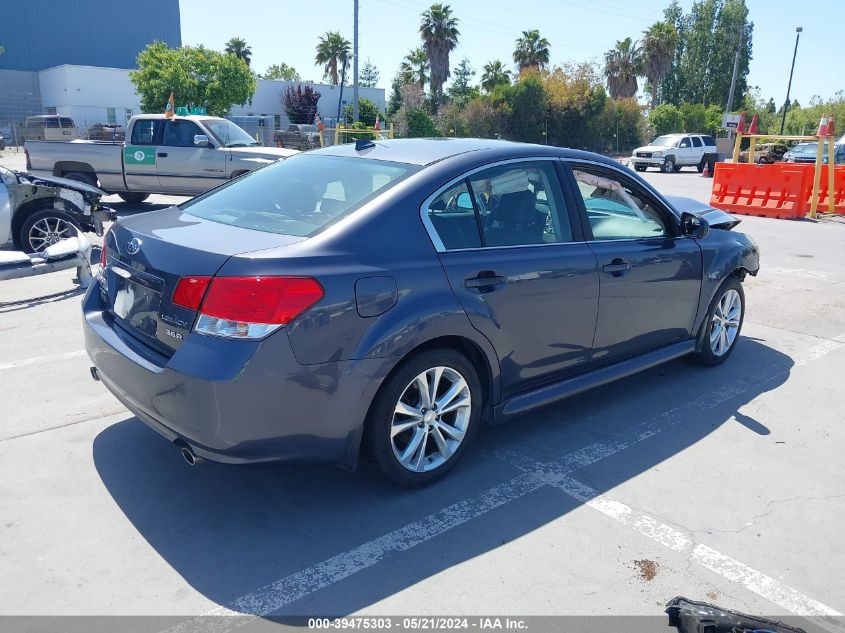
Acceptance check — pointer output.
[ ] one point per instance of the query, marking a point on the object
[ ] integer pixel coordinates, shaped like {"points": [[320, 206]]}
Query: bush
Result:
{"points": [[367, 111], [420, 124], [665, 119], [300, 103]]}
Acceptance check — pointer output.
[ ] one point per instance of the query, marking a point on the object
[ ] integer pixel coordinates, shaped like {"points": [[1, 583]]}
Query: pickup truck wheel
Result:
{"points": [[133, 197], [45, 228], [668, 166], [82, 176], [639, 167]]}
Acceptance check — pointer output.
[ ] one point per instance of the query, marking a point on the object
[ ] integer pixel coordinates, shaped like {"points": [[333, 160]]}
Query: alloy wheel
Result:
{"points": [[430, 419], [725, 325], [48, 231]]}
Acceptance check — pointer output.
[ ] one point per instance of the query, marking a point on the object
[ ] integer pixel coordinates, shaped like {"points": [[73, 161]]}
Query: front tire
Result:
{"points": [[424, 418], [133, 197], [45, 228], [721, 328], [668, 166], [639, 167]]}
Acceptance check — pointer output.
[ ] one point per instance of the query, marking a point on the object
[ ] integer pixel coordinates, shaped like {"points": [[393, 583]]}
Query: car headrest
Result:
{"points": [[515, 209]]}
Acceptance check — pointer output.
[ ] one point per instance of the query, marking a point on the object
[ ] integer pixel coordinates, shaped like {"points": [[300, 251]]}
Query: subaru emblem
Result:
{"points": [[133, 246]]}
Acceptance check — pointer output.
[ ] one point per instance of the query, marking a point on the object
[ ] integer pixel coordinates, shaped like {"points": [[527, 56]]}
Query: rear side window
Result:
{"points": [[696, 142], [66, 122], [708, 141], [452, 217], [51, 121], [143, 132], [300, 195]]}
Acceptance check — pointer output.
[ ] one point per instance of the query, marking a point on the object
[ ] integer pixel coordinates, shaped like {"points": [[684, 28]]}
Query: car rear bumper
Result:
{"points": [[236, 401]]}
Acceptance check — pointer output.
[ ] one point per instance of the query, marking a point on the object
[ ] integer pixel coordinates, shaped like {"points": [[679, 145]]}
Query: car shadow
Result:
{"points": [[229, 531], [31, 302]]}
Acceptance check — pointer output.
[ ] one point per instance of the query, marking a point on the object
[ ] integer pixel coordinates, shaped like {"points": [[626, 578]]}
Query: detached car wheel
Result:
{"points": [[668, 166], [723, 324], [45, 228], [424, 418], [133, 197]]}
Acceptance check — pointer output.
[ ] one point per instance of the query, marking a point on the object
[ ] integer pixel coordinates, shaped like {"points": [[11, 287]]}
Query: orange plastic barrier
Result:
{"points": [[838, 189], [773, 191]]}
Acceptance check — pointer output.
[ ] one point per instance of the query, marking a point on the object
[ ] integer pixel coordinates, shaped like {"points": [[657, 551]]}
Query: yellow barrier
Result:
{"points": [[378, 134]]}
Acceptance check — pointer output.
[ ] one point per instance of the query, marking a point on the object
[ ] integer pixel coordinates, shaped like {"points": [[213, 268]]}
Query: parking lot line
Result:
{"points": [[42, 359], [274, 596]]}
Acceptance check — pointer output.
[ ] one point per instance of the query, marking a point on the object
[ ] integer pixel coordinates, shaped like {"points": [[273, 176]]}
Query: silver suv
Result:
{"points": [[671, 152]]}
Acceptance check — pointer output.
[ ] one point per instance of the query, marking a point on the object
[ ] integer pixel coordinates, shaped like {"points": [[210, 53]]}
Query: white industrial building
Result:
{"points": [[91, 94]]}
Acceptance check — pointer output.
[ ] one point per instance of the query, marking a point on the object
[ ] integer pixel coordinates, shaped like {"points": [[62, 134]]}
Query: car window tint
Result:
{"points": [[696, 142], [520, 204], [708, 140], [615, 211], [143, 132], [453, 218], [180, 133], [684, 143]]}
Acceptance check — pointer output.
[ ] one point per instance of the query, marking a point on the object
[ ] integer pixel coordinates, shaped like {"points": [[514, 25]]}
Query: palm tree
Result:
{"points": [[238, 47], [439, 32], [658, 51], [333, 49], [622, 65], [415, 66], [495, 74], [532, 51]]}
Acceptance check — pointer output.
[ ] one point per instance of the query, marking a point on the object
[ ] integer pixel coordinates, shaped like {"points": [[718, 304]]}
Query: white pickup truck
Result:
{"points": [[183, 155]]}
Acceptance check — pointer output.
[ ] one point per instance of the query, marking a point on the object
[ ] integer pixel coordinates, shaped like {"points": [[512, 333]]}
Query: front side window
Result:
{"points": [[300, 195], [684, 143], [614, 210], [180, 133]]}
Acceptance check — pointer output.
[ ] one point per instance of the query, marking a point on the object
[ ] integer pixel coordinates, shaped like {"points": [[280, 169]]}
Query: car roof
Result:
{"points": [[426, 151]]}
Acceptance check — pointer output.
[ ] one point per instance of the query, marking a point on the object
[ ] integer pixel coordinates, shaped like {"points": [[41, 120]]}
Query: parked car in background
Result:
{"points": [[396, 295], [38, 212], [106, 132], [184, 155], [802, 153], [49, 127], [671, 152], [2, 141], [765, 153], [298, 136]]}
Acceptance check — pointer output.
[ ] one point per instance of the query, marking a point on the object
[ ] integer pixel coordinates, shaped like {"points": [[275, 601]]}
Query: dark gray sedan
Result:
{"points": [[387, 298]]}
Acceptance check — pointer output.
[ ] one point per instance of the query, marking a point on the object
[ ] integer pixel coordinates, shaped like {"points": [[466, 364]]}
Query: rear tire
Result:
{"points": [[133, 197], [407, 434], [668, 166], [720, 330], [82, 176], [44, 228]]}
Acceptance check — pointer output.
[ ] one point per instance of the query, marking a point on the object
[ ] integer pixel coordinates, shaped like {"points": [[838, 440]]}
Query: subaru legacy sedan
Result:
{"points": [[387, 298]]}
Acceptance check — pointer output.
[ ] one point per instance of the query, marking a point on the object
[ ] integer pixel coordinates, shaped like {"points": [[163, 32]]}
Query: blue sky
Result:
{"points": [[287, 31]]}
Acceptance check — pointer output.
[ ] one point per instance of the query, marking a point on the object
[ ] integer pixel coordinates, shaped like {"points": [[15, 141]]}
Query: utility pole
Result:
{"points": [[798, 30], [740, 38], [355, 66]]}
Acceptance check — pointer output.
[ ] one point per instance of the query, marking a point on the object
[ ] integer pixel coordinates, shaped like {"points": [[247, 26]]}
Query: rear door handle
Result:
{"points": [[162, 154], [486, 281], [617, 267]]}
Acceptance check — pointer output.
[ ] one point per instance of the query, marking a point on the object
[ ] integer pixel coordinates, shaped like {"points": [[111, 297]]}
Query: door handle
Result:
{"points": [[617, 267], [486, 281], [162, 154]]}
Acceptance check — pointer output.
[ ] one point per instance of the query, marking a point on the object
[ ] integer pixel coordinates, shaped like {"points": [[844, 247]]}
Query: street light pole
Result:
{"points": [[740, 38], [355, 66], [798, 30]]}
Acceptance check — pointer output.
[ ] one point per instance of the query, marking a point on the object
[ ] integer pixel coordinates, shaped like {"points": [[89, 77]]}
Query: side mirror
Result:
{"points": [[694, 226], [201, 140]]}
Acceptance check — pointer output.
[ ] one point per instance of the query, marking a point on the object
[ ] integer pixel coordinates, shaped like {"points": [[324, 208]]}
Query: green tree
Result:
{"points": [[495, 74], [394, 102], [576, 100], [367, 111], [461, 90], [665, 119], [658, 51], [197, 76], [528, 103], [281, 72], [532, 51], [622, 65], [623, 117], [420, 124], [439, 33], [332, 52], [369, 75], [238, 47], [415, 67]]}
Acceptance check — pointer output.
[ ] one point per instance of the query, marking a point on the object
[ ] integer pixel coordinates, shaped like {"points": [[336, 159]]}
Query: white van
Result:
{"points": [[49, 127]]}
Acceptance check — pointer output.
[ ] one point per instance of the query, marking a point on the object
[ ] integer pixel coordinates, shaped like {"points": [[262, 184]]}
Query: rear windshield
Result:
{"points": [[300, 195]]}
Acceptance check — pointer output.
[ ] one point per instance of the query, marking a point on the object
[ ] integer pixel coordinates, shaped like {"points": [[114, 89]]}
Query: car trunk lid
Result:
{"points": [[149, 254]]}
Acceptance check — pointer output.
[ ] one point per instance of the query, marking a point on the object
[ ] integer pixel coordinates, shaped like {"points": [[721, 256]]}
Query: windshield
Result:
{"points": [[667, 140], [229, 134], [299, 196], [7, 176], [805, 148]]}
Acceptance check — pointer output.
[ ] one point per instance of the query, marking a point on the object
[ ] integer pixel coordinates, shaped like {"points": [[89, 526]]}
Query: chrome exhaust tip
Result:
{"points": [[189, 456]]}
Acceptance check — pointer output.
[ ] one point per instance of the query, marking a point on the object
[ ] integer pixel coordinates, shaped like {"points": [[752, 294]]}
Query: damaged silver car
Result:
{"points": [[37, 212]]}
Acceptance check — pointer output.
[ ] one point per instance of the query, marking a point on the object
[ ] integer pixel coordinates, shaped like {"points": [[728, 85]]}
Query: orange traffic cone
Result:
{"points": [[740, 126], [705, 173], [752, 129], [831, 126], [823, 125]]}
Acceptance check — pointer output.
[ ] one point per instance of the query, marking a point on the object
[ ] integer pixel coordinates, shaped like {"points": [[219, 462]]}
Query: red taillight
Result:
{"points": [[271, 300], [103, 253], [189, 292]]}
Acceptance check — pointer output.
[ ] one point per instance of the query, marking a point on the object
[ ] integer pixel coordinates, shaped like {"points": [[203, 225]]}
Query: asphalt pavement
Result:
{"points": [[723, 484]]}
